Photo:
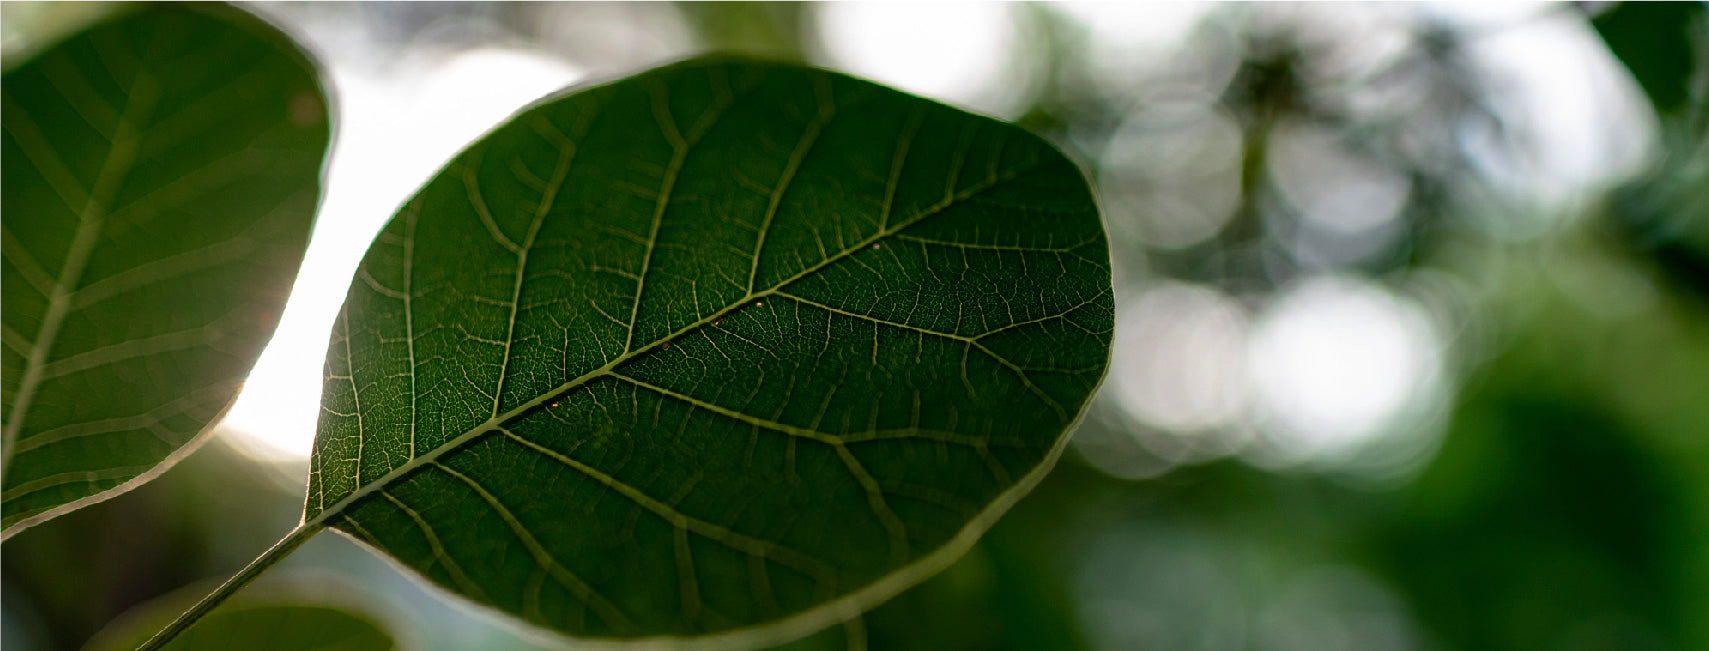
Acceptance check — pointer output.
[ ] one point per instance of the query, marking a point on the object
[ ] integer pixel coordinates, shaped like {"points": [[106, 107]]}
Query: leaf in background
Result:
{"points": [[161, 174], [270, 617], [724, 348], [1660, 214], [1658, 42]]}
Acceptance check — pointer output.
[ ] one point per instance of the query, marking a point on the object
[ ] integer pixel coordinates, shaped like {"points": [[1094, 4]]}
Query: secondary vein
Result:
{"points": [[91, 219], [496, 422]]}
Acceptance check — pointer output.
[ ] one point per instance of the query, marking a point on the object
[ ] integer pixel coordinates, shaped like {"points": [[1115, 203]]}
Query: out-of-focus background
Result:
{"points": [[1413, 318]]}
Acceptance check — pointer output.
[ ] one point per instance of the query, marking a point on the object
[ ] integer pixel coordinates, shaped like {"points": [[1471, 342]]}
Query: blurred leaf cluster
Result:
{"points": [[1551, 496]]}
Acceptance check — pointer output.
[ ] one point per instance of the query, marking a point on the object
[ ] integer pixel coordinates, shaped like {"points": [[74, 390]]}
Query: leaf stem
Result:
{"points": [[268, 559]]}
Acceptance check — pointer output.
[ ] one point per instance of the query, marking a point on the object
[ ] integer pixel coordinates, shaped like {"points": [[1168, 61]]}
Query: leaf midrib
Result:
{"points": [[91, 220], [497, 422]]}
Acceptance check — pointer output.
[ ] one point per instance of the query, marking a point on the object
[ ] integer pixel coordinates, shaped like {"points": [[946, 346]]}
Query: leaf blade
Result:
{"points": [[616, 330], [144, 265]]}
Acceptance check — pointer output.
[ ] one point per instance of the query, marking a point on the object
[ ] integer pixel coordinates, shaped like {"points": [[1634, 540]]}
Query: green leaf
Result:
{"points": [[161, 174], [279, 617], [727, 349], [285, 627], [1658, 42]]}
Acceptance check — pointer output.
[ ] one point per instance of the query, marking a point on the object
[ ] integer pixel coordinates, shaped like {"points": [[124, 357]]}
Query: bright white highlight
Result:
{"points": [[1179, 361], [961, 53], [393, 134], [1336, 364], [1580, 121], [1151, 50]]}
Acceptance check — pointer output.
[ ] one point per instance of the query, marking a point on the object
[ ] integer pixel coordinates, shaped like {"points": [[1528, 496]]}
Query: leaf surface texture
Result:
{"points": [[161, 174], [726, 348]]}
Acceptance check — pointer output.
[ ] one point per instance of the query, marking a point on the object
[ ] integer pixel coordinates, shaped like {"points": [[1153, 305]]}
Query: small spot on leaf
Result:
{"points": [[305, 109]]}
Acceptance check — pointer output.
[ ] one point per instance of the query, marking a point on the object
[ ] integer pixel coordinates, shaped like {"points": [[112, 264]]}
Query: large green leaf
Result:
{"points": [[161, 174], [726, 350]]}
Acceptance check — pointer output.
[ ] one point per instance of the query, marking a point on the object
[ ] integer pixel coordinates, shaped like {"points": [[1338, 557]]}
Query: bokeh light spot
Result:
{"points": [[1179, 360], [1337, 363], [958, 52]]}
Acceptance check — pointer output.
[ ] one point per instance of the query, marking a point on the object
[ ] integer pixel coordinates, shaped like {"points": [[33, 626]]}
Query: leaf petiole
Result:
{"points": [[268, 559]]}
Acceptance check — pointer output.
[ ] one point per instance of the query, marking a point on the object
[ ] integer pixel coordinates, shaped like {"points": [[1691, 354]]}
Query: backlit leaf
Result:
{"points": [[161, 173], [726, 351]]}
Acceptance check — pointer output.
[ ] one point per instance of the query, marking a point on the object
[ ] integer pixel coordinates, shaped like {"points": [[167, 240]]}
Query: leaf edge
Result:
{"points": [[816, 618], [290, 45]]}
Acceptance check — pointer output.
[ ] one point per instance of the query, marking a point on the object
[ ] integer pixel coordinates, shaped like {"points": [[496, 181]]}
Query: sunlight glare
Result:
{"points": [[962, 53], [392, 135]]}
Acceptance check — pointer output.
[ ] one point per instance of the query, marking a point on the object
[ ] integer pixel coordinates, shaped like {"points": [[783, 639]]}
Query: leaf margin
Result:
{"points": [[777, 631], [289, 45]]}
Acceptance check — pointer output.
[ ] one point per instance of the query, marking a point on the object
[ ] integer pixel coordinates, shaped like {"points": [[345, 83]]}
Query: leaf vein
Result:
{"points": [[717, 533], [439, 554], [604, 608], [809, 136], [875, 497], [26, 264]]}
